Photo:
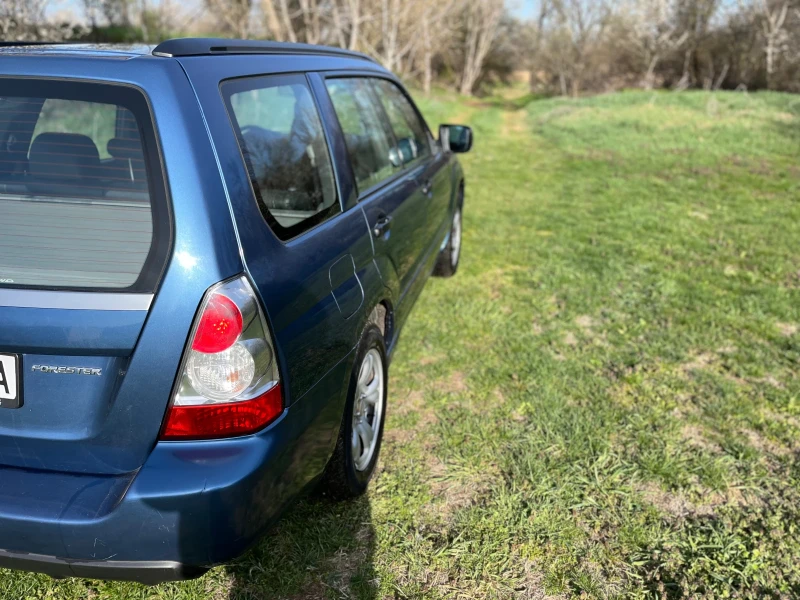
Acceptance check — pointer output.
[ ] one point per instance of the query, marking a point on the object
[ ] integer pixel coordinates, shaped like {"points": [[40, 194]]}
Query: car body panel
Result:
{"points": [[298, 281], [292, 278], [86, 483], [193, 503]]}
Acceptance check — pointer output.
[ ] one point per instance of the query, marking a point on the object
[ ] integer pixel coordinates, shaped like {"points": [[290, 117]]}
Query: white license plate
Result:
{"points": [[9, 381]]}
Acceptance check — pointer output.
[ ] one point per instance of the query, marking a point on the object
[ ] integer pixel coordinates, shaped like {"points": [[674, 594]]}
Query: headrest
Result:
{"points": [[125, 148], [64, 156], [305, 126]]}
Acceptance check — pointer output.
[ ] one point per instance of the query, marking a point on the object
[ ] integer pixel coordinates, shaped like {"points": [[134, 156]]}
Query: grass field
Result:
{"points": [[605, 400]]}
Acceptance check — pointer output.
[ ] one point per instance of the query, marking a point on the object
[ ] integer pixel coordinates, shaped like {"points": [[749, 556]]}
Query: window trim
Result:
{"points": [[163, 233], [403, 171], [249, 83]]}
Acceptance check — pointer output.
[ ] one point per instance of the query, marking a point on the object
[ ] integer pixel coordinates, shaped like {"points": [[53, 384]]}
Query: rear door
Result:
{"points": [[309, 251], [388, 192], [312, 276]]}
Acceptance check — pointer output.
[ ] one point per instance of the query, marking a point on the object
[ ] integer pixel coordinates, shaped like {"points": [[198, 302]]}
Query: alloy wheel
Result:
{"points": [[455, 239], [368, 409]]}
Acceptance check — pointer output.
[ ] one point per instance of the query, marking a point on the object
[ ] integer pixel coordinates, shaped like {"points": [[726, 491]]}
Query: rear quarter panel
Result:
{"points": [[316, 319]]}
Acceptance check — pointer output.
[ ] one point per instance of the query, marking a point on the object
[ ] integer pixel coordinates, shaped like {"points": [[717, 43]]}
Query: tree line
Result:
{"points": [[568, 47], [594, 46]]}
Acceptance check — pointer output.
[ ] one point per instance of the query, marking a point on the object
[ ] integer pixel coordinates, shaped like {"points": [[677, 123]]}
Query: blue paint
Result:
{"points": [[83, 475]]}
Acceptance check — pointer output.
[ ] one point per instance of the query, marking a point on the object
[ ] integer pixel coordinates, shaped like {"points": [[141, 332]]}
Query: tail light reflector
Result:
{"points": [[204, 421]]}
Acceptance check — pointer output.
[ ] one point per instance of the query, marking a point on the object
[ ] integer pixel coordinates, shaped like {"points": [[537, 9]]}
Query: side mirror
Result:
{"points": [[455, 138], [408, 149]]}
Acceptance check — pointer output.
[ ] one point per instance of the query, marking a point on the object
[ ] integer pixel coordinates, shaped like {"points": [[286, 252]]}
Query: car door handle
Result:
{"points": [[381, 226], [427, 188]]}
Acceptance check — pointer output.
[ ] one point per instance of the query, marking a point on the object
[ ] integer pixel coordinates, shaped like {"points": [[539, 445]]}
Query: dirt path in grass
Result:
{"points": [[514, 124]]}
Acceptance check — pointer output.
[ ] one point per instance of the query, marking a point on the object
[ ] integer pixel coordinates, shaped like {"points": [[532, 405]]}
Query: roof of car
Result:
{"points": [[177, 48], [76, 48]]}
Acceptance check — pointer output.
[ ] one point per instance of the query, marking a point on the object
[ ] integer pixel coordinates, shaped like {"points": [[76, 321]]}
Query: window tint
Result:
{"points": [[75, 200], [368, 142], [281, 138], [410, 133], [97, 121]]}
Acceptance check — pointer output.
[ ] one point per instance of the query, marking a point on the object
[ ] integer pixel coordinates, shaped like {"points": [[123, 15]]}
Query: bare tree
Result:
{"points": [[402, 34], [346, 17], [694, 20], [482, 19], [311, 14], [273, 22], [387, 31], [232, 15], [162, 18], [543, 13], [286, 21], [655, 32], [353, 8], [581, 25], [144, 20], [435, 36], [116, 13], [772, 24], [25, 20], [572, 45], [308, 21]]}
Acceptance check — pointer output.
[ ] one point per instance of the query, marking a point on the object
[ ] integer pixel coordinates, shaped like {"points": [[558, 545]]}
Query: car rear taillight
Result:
{"points": [[230, 383]]}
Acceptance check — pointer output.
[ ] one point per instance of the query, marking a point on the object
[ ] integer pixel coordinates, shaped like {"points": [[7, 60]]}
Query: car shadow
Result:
{"points": [[318, 547]]}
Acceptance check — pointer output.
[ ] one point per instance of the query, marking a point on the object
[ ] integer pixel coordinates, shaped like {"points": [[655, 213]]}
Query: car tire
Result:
{"points": [[353, 463], [449, 257]]}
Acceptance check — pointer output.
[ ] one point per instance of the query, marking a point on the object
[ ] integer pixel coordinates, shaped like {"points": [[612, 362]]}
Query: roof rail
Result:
{"points": [[216, 46]]}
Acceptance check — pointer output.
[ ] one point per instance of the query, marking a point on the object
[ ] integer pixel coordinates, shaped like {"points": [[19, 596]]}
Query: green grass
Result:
{"points": [[605, 400]]}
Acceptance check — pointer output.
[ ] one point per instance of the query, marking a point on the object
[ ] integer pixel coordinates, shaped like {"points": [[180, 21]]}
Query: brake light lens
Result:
{"points": [[230, 383], [219, 327]]}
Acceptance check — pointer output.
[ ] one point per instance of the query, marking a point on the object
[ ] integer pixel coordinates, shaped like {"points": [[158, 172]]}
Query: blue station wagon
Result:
{"points": [[208, 250]]}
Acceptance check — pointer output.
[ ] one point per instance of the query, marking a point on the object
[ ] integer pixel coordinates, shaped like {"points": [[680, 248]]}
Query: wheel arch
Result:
{"points": [[382, 316]]}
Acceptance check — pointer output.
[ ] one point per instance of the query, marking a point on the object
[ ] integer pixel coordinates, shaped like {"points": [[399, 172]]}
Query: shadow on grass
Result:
{"points": [[319, 549]]}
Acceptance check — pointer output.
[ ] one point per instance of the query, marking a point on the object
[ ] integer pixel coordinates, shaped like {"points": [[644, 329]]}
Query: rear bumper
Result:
{"points": [[192, 504], [149, 573]]}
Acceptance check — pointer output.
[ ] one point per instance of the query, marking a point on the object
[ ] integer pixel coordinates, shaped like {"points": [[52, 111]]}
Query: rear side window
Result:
{"points": [[410, 133], [81, 196], [284, 148], [369, 144]]}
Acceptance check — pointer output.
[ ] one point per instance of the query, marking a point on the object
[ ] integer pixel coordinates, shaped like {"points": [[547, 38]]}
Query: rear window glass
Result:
{"points": [[284, 148], [77, 208]]}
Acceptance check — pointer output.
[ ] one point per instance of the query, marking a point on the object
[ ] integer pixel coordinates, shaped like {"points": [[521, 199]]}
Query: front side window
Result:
{"points": [[81, 198], [410, 133], [282, 142], [369, 144]]}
